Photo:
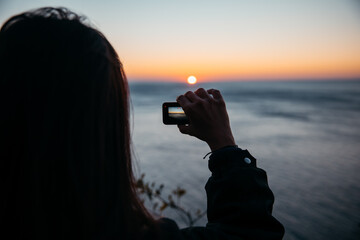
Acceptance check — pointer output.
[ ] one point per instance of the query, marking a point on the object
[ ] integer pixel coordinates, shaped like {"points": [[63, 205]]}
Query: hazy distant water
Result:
{"points": [[306, 135]]}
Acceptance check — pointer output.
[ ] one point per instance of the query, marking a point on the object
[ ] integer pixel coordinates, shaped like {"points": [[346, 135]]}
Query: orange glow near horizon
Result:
{"points": [[265, 63], [242, 69]]}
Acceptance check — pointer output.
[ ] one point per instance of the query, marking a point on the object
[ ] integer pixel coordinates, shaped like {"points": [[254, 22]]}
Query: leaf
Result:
{"points": [[155, 205], [198, 212], [139, 183], [181, 192], [163, 206], [149, 194]]}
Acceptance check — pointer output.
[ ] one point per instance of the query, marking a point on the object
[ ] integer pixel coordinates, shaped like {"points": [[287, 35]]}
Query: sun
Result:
{"points": [[191, 80]]}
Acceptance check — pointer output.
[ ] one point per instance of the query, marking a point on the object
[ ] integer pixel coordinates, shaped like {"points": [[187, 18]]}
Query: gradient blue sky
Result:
{"points": [[224, 39]]}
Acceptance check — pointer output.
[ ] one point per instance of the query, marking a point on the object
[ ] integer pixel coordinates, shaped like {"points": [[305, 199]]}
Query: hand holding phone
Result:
{"points": [[208, 118]]}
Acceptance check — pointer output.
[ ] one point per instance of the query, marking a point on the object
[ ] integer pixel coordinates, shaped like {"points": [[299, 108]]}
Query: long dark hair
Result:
{"points": [[65, 140]]}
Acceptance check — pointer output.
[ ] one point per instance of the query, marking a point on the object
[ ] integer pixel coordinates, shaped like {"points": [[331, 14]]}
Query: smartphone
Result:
{"points": [[173, 114]]}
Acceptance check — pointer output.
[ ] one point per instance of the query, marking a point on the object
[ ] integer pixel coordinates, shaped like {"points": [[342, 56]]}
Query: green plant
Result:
{"points": [[153, 193]]}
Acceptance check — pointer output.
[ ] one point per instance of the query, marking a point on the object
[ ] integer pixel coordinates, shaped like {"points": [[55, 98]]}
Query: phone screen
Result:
{"points": [[173, 114], [177, 113]]}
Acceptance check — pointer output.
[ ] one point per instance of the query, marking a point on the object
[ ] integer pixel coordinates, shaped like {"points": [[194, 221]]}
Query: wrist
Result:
{"points": [[215, 145]]}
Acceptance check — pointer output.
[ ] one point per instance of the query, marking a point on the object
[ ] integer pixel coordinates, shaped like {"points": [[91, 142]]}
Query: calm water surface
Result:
{"points": [[306, 135]]}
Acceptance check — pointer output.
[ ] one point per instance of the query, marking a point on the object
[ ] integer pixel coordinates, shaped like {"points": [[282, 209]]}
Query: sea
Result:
{"points": [[304, 134]]}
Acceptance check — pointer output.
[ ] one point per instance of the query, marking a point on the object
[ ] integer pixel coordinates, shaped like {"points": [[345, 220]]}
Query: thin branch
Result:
{"points": [[151, 192]]}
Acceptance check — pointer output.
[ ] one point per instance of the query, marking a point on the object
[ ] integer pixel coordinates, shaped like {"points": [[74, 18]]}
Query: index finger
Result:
{"points": [[183, 101], [216, 94]]}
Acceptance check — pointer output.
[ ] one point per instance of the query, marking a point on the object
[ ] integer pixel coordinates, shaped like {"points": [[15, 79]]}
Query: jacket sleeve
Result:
{"points": [[239, 200]]}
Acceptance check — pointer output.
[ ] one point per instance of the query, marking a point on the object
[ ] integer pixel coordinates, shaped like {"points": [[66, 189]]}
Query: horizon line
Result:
{"points": [[280, 79]]}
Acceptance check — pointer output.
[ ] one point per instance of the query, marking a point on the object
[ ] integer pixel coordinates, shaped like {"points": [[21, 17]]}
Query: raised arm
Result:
{"points": [[239, 200]]}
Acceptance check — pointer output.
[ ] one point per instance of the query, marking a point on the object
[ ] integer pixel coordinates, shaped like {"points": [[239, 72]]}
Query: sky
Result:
{"points": [[224, 39]]}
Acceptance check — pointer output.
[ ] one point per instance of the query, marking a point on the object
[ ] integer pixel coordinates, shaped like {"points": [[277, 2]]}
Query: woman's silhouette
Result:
{"points": [[65, 151]]}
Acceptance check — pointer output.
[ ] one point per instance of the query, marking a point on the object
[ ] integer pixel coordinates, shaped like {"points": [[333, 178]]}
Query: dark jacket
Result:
{"points": [[239, 202]]}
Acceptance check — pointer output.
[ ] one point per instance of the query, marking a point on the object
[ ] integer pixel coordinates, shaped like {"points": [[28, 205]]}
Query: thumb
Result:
{"points": [[184, 129]]}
